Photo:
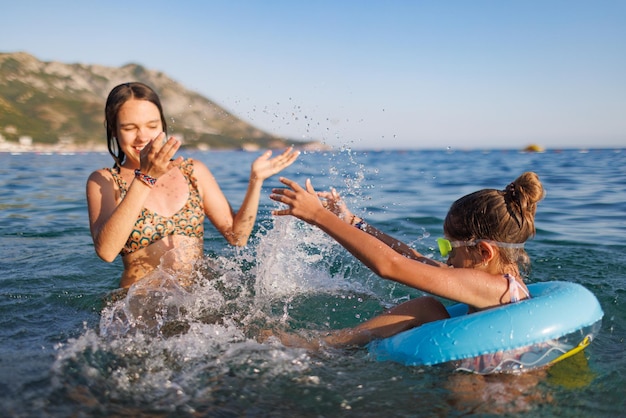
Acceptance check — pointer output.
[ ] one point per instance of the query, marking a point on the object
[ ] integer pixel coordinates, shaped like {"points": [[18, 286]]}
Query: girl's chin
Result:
{"points": [[133, 158]]}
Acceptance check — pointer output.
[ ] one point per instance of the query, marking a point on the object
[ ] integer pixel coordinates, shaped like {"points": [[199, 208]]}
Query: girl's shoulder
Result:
{"points": [[103, 173], [197, 167], [108, 179]]}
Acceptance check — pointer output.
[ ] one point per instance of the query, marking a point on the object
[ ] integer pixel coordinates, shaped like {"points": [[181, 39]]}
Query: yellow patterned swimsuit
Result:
{"points": [[151, 227]]}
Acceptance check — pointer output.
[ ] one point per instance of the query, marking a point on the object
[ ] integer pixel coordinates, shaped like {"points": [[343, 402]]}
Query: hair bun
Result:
{"points": [[522, 196], [528, 187]]}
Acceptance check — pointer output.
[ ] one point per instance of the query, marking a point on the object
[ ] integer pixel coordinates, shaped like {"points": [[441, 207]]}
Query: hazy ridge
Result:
{"points": [[61, 106]]}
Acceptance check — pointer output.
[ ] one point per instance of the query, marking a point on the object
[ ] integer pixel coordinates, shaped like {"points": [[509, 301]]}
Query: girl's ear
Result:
{"points": [[487, 251]]}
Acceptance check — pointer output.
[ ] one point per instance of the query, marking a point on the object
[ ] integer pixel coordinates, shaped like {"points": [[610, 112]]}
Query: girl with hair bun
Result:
{"points": [[485, 232]]}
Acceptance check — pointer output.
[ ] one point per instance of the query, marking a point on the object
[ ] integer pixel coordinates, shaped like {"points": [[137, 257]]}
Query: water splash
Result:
{"points": [[171, 346], [183, 335]]}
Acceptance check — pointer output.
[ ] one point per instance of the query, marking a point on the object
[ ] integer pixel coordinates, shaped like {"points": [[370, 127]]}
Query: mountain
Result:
{"points": [[52, 104]]}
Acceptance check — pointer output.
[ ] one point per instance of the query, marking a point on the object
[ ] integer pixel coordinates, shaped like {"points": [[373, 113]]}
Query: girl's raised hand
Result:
{"points": [[303, 204], [156, 156], [333, 202], [265, 167]]}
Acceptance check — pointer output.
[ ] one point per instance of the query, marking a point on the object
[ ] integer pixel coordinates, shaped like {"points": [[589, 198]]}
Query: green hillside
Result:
{"points": [[53, 103]]}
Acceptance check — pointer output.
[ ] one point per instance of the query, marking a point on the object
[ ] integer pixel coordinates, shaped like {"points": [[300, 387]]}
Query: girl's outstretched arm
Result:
{"points": [[306, 205], [333, 202], [473, 286]]}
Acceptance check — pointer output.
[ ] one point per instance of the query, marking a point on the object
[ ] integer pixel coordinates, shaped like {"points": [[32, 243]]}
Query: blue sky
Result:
{"points": [[365, 74]]}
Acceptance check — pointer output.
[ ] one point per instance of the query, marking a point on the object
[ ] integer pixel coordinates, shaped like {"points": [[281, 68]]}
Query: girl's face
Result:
{"points": [[460, 258], [138, 122]]}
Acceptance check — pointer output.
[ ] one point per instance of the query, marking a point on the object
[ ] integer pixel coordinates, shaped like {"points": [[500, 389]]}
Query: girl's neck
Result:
{"points": [[130, 165], [500, 270]]}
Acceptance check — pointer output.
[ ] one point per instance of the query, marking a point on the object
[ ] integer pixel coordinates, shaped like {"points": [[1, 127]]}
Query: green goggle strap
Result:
{"points": [[445, 246]]}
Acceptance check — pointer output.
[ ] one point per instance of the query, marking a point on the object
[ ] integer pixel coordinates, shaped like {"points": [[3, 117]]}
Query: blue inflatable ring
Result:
{"points": [[559, 319]]}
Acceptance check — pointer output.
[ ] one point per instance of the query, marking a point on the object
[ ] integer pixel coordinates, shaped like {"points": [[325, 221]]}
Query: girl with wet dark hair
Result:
{"points": [[150, 203]]}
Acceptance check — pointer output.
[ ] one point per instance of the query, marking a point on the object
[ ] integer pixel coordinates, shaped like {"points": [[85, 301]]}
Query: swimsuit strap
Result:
{"points": [[121, 183], [514, 288], [186, 168]]}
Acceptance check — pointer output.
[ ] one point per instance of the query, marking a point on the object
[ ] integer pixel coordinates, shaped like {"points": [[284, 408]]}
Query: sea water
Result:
{"points": [[164, 351]]}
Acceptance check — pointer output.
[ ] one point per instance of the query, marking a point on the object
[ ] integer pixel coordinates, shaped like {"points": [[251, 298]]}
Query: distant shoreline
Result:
{"points": [[14, 148], [38, 148]]}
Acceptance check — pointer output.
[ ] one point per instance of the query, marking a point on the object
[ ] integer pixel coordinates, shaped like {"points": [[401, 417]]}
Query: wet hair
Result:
{"points": [[499, 215], [117, 97]]}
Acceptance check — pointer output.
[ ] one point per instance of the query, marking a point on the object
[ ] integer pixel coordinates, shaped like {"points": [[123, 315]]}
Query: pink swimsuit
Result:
{"points": [[488, 363], [514, 288]]}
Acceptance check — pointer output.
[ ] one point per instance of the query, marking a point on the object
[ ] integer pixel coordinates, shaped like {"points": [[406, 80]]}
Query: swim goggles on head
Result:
{"points": [[446, 246]]}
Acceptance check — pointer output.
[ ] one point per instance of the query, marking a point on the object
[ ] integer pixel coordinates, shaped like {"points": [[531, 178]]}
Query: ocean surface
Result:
{"points": [[63, 352]]}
